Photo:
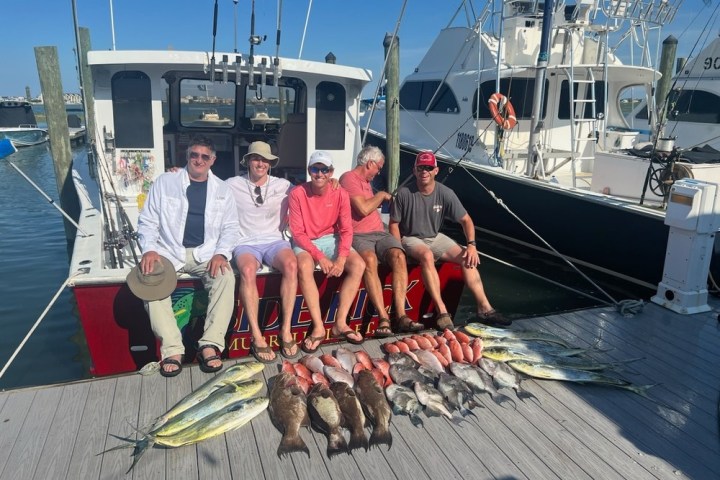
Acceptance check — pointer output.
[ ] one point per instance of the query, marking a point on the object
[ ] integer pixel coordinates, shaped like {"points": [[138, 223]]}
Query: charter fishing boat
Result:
{"points": [[147, 105], [18, 124], [560, 180]]}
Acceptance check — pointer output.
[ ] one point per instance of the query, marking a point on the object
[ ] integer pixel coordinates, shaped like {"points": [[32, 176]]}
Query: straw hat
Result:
{"points": [[156, 285], [262, 149]]}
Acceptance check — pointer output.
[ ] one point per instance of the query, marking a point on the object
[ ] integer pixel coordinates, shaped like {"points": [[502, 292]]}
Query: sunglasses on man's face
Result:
{"points": [[259, 200], [204, 156], [323, 170], [425, 168]]}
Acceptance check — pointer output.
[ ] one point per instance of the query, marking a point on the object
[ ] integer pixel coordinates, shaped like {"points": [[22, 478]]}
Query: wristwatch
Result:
{"points": [[472, 242]]}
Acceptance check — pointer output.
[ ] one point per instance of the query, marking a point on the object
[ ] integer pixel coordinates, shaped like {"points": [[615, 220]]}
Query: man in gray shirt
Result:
{"points": [[416, 217]]}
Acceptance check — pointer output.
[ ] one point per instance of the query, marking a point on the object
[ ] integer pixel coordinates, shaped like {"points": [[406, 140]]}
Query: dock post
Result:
{"points": [[51, 85], [392, 110], [667, 59]]}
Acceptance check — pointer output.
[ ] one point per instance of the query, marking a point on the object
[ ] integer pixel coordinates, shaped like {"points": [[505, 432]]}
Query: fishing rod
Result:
{"points": [[6, 149]]}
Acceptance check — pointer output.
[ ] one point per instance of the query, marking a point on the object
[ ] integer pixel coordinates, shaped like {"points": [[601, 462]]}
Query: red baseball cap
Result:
{"points": [[425, 158]]}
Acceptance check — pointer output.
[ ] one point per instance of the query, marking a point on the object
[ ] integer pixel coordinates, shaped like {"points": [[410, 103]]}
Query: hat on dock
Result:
{"points": [[262, 149], [322, 157], [425, 159], [156, 285]]}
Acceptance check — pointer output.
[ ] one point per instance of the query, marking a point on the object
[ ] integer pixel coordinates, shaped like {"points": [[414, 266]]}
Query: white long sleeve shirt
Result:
{"points": [[161, 224]]}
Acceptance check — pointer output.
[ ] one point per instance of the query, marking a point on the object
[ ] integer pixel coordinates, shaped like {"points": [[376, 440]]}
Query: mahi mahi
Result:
{"points": [[483, 331]]}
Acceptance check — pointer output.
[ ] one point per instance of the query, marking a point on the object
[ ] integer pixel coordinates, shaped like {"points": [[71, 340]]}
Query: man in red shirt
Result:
{"points": [[374, 243], [321, 228]]}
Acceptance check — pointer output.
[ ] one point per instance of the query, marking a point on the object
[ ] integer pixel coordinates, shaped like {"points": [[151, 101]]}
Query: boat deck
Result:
{"points": [[569, 431]]}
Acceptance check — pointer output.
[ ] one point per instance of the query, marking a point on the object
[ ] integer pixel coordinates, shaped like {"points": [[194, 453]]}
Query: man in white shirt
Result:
{"points": [[262, 205], [190, 221]]}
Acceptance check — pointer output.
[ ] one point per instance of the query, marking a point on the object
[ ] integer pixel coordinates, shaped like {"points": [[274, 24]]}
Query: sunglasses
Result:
{"points": [[377, 164], [424, 168], [323, 170], [204, 156], [259, 200]]}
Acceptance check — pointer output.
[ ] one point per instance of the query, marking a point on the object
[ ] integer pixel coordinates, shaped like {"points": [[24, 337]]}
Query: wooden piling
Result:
{"points": [[51, 85], [392, 110], [667, 60]]}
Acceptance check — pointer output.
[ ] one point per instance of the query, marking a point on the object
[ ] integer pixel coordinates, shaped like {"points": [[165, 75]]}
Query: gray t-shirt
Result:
{"points": [[421, 215]]}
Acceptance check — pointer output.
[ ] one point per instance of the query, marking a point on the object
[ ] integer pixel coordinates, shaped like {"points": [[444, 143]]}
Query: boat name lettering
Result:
{"points": [[712, 63], [465, 141]]}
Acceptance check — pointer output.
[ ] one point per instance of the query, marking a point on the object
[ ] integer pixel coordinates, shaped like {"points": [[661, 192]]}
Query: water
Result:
{"points": [[34, 261]]}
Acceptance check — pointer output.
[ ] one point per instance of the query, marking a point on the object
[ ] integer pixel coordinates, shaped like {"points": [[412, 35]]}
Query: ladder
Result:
{"points": [[583, 115]]}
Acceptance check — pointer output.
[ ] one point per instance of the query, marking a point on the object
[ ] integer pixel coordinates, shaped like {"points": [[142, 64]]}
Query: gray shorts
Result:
{"points": [[438, 245], [378, 242], [264, 254]]}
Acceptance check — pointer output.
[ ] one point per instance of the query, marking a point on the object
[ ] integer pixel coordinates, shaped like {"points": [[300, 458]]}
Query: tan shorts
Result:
{"points": [[438, 245], [378, 242]]}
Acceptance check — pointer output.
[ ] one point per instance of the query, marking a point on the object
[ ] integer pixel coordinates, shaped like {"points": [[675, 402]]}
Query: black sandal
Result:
{"points": [[383, 329], [204, 361], [171, 373]]}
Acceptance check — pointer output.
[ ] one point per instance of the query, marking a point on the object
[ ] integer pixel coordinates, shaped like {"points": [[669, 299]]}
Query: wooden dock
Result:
{"points": [[570, 432]]}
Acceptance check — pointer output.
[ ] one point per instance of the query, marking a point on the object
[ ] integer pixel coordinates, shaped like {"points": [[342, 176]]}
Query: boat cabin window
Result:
{"points": [[520, 91], [207, 104], [330, 107], [586, 107], [417, 96], [132, 111], [694, 106], [267, 107]]}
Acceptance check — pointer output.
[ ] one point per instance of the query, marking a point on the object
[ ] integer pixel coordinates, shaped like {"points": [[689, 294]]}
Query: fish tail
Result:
{"points": [[464, 411], [336, 444], [456, 420], [292, 443], [501, 398], [381, 435], [358, 439], [524, 395], [640, 389], [416, 420], [140, 448]]}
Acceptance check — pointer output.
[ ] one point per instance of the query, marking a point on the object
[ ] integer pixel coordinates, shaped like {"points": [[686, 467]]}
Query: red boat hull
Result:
{"points": [[119, 337]]}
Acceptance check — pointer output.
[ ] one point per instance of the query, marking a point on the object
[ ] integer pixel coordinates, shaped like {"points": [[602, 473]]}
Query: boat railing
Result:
{"points": [[658, 12]]}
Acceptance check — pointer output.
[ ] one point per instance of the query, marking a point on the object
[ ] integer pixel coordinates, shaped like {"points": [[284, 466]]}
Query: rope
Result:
{"points": [[37, 323]]}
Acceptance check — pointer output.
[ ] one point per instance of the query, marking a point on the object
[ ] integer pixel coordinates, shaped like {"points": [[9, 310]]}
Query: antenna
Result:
{"points": [[212, 59]]}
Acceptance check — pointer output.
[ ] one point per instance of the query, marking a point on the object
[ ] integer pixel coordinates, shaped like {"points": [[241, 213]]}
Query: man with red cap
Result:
{"points": [[416, 217]]}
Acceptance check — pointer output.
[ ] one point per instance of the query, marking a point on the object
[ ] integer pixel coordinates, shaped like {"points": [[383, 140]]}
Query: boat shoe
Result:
{"points": [[493, 317]]}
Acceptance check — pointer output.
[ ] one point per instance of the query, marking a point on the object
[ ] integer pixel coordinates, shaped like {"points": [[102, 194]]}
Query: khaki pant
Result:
{"points": [[221, 295]]}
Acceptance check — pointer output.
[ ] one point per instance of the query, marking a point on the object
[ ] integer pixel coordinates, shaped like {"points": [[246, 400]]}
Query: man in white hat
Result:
{"points": [[262, 204], [177, 233], [321, 227]]}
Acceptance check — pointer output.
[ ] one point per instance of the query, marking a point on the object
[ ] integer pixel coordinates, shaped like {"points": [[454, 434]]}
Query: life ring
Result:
{"points": [[508, 121]]}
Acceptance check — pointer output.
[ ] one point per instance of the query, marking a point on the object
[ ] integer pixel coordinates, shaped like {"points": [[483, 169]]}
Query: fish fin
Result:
{"points": [[358, 440], [292, 443], [466, 411], [336, 444], [472, 404], [131, 444], [380, 436], [456, 420]]}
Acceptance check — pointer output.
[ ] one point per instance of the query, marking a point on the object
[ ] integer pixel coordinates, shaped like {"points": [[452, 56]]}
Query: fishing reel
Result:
{"points": [[665, 171]]}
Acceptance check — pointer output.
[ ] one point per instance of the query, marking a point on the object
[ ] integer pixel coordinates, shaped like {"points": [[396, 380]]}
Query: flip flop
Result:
{"points": [[172, 373], [383, 324], [288, 346], [204, 361], [312, 340], [255, 350], [343, 336]]}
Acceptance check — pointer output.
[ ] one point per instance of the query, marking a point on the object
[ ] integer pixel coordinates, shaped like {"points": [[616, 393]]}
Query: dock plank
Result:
{"points": [[12, 418], [153, 403], [179, 459], [123, 417], [29, 444], [55, 458]]}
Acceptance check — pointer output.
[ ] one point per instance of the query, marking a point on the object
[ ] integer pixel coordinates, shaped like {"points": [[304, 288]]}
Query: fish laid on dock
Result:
{"points": [[353, 416], [288, 412], [326, 416], [376, 407], [483, 331]]}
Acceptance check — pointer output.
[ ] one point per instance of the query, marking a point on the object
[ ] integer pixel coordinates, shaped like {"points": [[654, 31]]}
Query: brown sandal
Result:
{"points": [[288, 346], [312, 339], [444, 320], [383, 328], [407, 325]]}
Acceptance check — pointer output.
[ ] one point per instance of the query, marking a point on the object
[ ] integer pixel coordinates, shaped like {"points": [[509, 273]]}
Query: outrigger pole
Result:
{"points": [[6, 149], [542, 62]]}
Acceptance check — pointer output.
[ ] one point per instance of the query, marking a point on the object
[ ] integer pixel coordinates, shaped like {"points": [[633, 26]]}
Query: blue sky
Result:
{"points": [[352, 30]]}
